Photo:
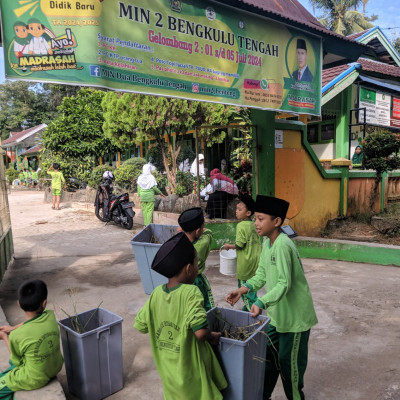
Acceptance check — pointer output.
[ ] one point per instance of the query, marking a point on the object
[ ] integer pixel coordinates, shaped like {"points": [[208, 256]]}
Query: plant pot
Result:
{"points": [[243, 361], [93, 359], [145, 245]]}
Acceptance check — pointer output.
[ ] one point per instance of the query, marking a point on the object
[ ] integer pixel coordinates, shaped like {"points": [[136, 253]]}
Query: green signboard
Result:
{"points": [[188, 49]]}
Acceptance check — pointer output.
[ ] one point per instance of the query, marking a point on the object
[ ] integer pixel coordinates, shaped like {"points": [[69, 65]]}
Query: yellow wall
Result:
{"points": [[313, 199]]}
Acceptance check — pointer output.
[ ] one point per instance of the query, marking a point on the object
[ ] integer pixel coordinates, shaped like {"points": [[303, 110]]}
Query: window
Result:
{"points": [[327, 132], [321, 133]]}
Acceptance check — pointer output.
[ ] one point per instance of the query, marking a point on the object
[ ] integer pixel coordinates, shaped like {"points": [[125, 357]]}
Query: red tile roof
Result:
{"points": [[355, 36], [18, 135], [379, 67], [330, 74]]}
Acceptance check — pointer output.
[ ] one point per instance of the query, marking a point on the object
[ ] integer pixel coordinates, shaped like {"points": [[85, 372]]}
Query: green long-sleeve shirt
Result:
{"points": [[147, 195], [203, 247], [288, 298]]}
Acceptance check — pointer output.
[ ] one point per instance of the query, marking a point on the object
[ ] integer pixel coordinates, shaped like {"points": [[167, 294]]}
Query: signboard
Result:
{"points": [[377, 106], [188, 49], [278, 139], [395, 116]]}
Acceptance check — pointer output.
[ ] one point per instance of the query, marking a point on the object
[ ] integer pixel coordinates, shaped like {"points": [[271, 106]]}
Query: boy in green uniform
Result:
{"points": [[34, 345], [176, 321], [191, 222], [56, 179], [248, 248], [288, 300]]}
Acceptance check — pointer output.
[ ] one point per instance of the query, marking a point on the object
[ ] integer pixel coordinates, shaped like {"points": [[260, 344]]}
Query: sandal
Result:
{"points": [[53, 208]]}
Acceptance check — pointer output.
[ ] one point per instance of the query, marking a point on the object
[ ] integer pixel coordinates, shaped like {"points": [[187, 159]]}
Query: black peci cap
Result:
{"points": [[248, 202], [191, 219], [173, 255], [271, 206]]}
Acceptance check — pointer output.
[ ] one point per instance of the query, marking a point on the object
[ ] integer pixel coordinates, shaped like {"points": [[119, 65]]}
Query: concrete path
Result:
{"points": [[354, 350]]}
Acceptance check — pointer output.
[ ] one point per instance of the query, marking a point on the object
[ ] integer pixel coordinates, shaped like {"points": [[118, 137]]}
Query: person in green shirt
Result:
{"points": [[34, 344], [288, 300], [147, 188], [175, 319], [191, 221], [56, 179], [248, 248]]}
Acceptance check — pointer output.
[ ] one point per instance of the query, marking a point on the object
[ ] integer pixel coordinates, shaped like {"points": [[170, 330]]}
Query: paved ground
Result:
{"points": [[354, 350]]}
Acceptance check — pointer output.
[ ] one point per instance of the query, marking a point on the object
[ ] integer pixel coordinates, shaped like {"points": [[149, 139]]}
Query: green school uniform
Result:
{"points": [[288, 299], [56, 179], [147, 202], [188, 367], [203, 247], [35, 352], [289, 305], [248, 250]]}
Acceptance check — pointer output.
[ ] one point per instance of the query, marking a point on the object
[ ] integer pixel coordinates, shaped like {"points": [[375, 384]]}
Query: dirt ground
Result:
{"points": [[354, 350]]}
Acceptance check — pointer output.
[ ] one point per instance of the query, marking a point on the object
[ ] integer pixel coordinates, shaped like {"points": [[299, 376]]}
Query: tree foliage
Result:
{"points": [[76, 137], [341, 16], [396, 44], [26, 104], [381, 152], [134, 118]]}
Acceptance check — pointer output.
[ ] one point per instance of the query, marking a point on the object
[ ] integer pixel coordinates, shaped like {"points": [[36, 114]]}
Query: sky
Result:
{"points": [[386, 10]]}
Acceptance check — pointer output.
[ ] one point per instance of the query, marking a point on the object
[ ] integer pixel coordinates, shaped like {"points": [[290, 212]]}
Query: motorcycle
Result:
{"points": [[110, 207]]}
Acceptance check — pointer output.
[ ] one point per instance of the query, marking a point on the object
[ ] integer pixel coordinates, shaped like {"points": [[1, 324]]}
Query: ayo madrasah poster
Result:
{"points": [[188, 49]]}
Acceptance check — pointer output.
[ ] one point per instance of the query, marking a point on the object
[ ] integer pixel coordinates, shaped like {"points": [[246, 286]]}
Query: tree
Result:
{"points": [[135, 118], [77, 136], [26, 104], [381, 153], [341, 16], [396, 44]]}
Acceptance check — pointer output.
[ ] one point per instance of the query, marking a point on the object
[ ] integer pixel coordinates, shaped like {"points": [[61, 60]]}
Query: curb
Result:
{"points": [[347, 250]]}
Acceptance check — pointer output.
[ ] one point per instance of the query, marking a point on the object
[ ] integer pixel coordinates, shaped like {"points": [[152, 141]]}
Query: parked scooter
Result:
{"points": [[109, 207]]}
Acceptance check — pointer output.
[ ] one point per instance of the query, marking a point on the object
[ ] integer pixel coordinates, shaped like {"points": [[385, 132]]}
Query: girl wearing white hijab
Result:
{"points": [[147, 188], [193, 168]]}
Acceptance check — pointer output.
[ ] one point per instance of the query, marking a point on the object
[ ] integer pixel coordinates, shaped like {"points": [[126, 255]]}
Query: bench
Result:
{"points": [[52, 391]]}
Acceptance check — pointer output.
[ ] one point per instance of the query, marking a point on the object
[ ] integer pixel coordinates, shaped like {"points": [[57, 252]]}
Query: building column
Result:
{"points": [[343, 164], [342, 128], [263, 152]]}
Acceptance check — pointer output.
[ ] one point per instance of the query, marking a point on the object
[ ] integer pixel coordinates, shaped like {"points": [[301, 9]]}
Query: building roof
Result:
{"points": [[18, 137], [32, 150], [379, 68], [330, 74], [338, 49], [356, 35]]}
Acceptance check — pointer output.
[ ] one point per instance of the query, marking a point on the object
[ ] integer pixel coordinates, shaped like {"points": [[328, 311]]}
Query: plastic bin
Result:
{"points": [[145, 245], [93, 360], [243, 362]]}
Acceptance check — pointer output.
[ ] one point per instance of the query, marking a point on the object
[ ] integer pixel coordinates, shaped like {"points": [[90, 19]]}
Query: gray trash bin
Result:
{"points": [[243, 362], [145, 245], [93, 359]]}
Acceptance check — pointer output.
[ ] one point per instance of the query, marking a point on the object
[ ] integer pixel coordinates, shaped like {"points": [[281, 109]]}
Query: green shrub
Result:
{"points": [[138, 162], [184, 183], [161, 179], [126, 177], [11, 174], [96, 175]]}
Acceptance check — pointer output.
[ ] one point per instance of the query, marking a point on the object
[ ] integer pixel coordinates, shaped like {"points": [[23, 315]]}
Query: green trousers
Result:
{"points": [[249, 298], [287, 355], [147, 210], [5, 392], [202, 283]]}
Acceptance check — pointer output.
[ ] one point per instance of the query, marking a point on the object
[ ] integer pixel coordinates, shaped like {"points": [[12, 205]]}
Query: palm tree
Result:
{"points": [[341, 16]]}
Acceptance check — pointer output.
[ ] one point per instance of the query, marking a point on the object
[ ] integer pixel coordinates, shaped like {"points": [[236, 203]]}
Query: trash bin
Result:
{"points": [[93, 359], [145, 245], [243, 361]]}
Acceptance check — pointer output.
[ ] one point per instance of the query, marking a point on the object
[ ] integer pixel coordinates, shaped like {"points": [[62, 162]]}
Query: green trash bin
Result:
{"points": [[145, 245], [93, 359]]}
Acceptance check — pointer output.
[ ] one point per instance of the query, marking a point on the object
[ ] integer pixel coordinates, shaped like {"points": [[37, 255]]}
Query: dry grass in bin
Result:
{"points": [[231, 331], [76, 324]]}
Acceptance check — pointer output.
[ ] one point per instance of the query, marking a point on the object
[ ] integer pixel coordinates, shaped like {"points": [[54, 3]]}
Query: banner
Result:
{"points": [[188, 49]]}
